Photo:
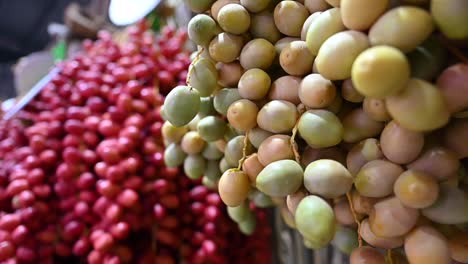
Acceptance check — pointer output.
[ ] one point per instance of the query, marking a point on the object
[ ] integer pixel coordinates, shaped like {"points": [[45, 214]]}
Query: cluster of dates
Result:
{"points": [[349, 115]]}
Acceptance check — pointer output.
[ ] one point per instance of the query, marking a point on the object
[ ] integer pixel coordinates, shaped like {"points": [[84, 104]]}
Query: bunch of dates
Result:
{"points": [[350, 116]]}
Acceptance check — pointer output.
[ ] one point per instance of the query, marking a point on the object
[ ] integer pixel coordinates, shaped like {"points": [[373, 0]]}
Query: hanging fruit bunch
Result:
{"points": [[349, 115], [82, 176]]}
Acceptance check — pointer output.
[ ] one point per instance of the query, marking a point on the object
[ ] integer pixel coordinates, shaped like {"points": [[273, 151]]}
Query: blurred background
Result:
{"points": [[33, 34], [24, 30]]}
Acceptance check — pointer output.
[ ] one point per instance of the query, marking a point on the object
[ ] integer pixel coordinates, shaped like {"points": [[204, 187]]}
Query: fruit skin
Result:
{"points": [[321, 28], [174, 156], [287, 217], [321, 230], [257, 136], [453, 82], [255, 6], [404, 27], [283, 43], [363, 205], [454, 134], [426, 245], [451, 207], [263, 26], [376, 109], [171, 133], [261, 200], [289, 17], [192, 143], [280, 178], [242, 115], [376, 178], [368, 10], [358, 125], [199, 6], [224, 98], [285, 88], [252, 167], [390, 218], [349, 92], [316, 91], [181, 105], [247, 227], [201, 29], [277, 116], [344, 47], [366, 255], [234, 150], [380, 71], [458, 245], [419, 107], [327, 178], [254, 84], [379, 242], [343, 213], [334, 3], [307, 24], [217, 5], [194, 166], [257, 53], [296, 59], [211, 128], [399, 144], [212, 171], [234, 187], [206, 107], [234, 18], [320, 128], [239, 213], [416, 189], [315, 6], [346, 239], [225, 47], [293, 200], [276, 147], [361, 153], [450, 16], [203, 76], [439, 162], [229, 73]]}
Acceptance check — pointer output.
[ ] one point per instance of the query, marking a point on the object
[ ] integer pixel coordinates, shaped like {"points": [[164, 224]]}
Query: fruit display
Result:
{"points": [[349, 116], [82, 175]]}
